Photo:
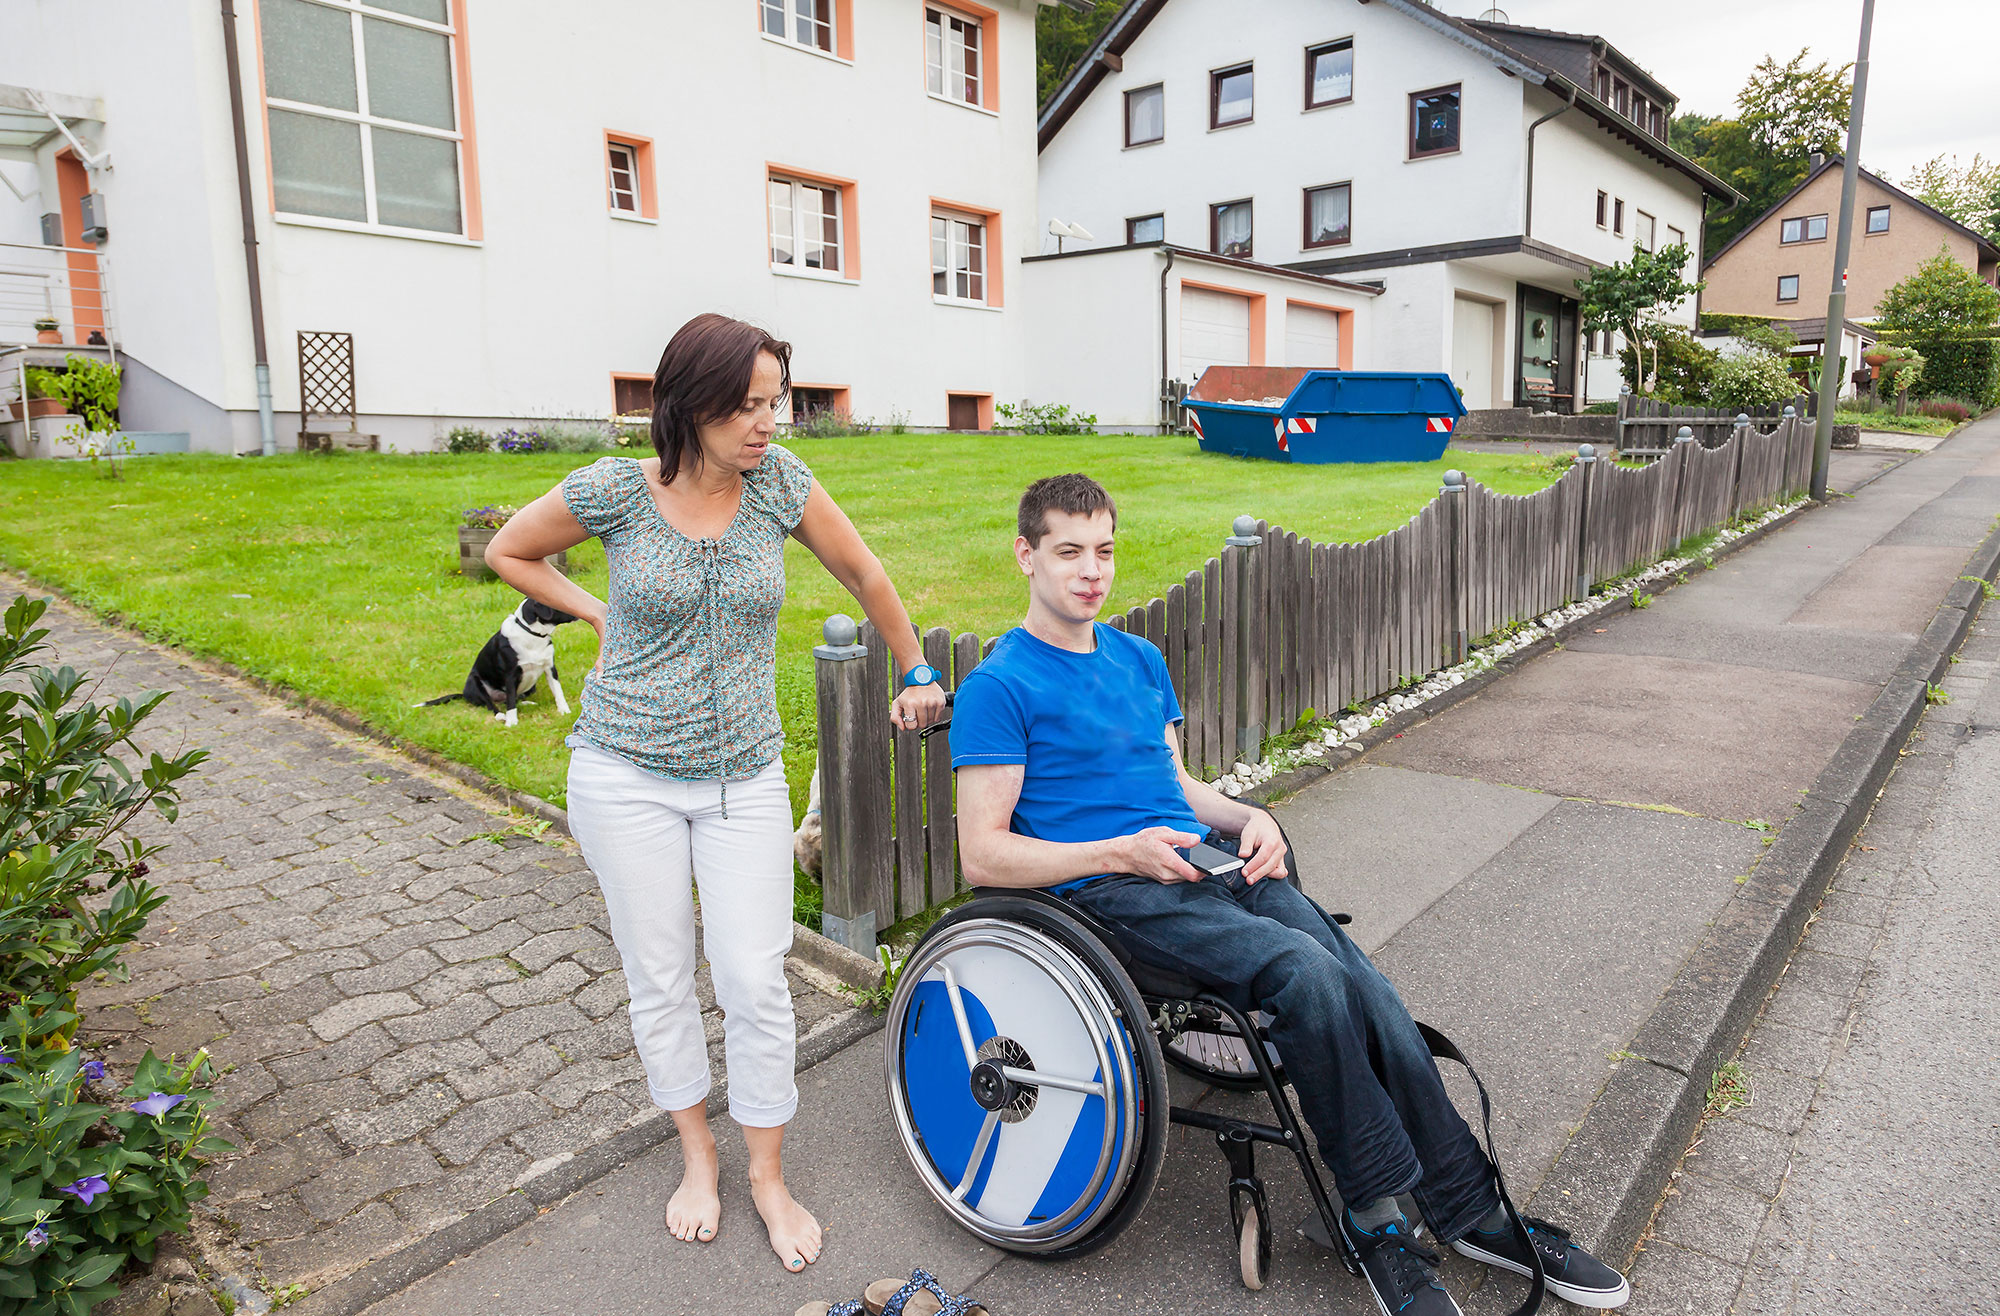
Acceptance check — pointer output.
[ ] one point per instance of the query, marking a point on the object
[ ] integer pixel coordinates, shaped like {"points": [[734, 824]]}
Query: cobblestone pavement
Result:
{"points": [[1859, 1178], [415, 1012]]}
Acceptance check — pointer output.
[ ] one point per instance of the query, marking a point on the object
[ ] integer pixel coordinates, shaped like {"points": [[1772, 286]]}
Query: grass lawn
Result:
{"points": [[337, 575], [1889, 420]]}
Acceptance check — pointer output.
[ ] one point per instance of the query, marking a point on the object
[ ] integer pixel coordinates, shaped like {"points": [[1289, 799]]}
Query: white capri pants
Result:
{"points": [[643, 836]]}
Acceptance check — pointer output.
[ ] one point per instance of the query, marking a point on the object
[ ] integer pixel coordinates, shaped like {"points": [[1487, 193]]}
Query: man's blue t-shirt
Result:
{"points": [[1090, 728]]}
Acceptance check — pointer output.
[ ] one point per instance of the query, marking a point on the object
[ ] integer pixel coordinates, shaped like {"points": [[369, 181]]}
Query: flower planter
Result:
{"points": [[472, 542], [40, 407], [48, 335]]}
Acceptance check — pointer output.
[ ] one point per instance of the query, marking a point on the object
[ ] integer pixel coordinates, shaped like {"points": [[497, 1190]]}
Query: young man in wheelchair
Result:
{"points": [[1066, 748]]}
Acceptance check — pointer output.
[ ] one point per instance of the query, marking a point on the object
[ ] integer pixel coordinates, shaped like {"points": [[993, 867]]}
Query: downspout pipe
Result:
{"points": [[1528, 218], [266, 426], [1166, 408]]}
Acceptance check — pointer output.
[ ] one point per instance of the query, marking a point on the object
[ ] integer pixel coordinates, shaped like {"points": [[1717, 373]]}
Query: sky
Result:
{"points": [[1930, 80]]}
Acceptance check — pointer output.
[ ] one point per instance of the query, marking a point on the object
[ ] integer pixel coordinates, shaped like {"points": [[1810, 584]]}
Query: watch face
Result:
{"points": [[921, 674]]}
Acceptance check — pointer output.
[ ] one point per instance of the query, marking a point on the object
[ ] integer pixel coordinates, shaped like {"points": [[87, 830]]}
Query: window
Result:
{"points": [[810, 400], [1328, 210], [1878, 219], [1145, 115], [1808, 228], [1330, 73], [631, 395], [805, 225], [628, 176], [958, 258], [809, 22], [1146, 228], [1621, 96], [952, 56], [1643, 229], [1603, 207], [1618, 216], [1604, 85], [1791, 230], [1229, 225], [1788, 287], [363, 112], [1675, 237], [1433, 122], [1815, 228], [1229, 97]]}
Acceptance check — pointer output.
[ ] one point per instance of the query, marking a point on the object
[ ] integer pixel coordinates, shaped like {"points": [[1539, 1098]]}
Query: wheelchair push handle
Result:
{"points": [[936, 727]]}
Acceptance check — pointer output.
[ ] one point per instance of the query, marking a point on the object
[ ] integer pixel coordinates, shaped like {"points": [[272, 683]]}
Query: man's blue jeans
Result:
{"points": [[1365, 1078]]}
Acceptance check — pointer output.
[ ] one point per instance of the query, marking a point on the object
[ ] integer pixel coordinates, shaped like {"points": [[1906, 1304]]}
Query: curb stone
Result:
{"points": [[1617, 1163], [828, 956]]}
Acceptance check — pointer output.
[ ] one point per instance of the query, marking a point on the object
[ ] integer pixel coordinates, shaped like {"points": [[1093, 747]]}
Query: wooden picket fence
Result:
{"points": [[1646, 427], [1274, 627]]}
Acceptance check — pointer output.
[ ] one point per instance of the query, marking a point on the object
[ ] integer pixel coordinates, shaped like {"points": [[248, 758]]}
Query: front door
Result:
{"points": [[1545, 376]]}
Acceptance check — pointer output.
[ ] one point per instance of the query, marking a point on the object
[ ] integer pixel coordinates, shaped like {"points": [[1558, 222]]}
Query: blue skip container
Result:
{"points": [[1328, 416]]}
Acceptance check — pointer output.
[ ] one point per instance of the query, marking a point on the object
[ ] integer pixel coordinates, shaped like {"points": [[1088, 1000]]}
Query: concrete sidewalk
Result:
{"points": [[1537, 867]]}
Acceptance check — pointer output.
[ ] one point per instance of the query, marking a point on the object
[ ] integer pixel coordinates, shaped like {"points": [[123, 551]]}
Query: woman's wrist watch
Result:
{"points": [[922, 674]]}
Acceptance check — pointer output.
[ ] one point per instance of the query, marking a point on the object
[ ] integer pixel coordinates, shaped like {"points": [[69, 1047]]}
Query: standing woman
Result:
{"points": [[676, 769]]}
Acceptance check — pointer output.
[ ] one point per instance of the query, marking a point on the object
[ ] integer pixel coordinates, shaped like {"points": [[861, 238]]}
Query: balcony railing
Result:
{"points": [[71, 285]]}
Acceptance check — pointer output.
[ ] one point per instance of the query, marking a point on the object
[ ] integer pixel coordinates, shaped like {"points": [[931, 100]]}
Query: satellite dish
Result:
{"points": [[1494, 15]]}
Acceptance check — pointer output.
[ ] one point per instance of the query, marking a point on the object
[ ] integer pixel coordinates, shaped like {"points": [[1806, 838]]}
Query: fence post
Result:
{"points": [[1586, 461], [1249, 693], [1624, 414], [1790, 420], [1682, 438], [1739, 437], [854, 791], [1453, 507]]}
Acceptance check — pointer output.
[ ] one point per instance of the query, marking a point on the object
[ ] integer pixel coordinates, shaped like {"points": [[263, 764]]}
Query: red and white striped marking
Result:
{"points": [[1438, 425], [1283, 429], [1194, 419]]}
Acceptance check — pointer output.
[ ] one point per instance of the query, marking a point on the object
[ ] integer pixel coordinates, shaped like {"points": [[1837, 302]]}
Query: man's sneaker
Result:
{"points": [[1572, 1272], [1402, 1273]]}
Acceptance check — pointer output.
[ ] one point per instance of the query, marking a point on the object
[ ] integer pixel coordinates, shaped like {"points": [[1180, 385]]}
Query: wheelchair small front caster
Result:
{"points": [[1252, 1217]]}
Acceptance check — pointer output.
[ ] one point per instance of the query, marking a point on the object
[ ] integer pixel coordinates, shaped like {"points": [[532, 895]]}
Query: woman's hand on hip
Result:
{"points": [[917, 707]]}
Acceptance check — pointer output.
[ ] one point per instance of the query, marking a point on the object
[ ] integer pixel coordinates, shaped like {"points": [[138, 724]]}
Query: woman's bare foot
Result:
{"points": [[795, 1233], [694, 1212]]}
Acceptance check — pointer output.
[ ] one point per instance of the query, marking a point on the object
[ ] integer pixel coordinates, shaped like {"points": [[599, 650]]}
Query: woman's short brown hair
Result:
{"points": [[1075, 493], [703, 377]]}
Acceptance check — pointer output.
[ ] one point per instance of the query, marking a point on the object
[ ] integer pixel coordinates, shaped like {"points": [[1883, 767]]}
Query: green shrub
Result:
{"points": [[44, 382], [467, 438], [84, 1188], [1903, 371], [1945, 410], [519, 440], [1960, 367], [1683, 366], [1940, 299], [830, 423], [1753, 379], [577, 436], [633, 436], [1046, 418]]}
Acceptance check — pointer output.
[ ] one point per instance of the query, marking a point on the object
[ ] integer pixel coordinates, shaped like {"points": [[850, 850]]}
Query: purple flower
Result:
{"points": [[86, 1188], [93, 1071], [36, 1237], [6, 1059], [158, 1104]]}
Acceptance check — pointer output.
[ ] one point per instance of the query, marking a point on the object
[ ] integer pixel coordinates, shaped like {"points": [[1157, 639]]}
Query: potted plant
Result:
{"points": [[476, 528], [45, 394], [48, 329]]}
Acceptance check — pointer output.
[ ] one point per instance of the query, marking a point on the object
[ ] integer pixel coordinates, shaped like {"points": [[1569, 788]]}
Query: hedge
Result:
{"points": [[1960, 368], [1719, 322]]}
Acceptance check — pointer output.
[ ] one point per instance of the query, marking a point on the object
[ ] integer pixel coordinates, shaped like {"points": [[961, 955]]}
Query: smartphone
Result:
{"points": [[1209, 860]]}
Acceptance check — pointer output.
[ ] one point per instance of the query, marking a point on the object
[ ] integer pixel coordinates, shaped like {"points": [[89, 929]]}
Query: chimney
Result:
{"points": [[1817, 158]]}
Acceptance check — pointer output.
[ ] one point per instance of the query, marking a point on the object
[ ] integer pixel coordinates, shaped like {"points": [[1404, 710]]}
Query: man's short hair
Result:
{"points": [[1075, 493]]}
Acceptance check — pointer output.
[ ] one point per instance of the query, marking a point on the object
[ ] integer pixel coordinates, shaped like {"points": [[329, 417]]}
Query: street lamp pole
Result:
{"points": [[1836, 302]]}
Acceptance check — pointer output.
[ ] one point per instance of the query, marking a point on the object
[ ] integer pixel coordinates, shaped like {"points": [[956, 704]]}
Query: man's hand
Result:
{"points": [[1150, 853], [1262, 849]]}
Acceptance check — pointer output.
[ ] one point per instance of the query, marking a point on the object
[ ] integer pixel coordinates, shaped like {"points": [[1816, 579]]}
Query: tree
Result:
{"points": [[1632, 296], [1785, 112], [1063, 36], [1967, 194], [1942, 299]]}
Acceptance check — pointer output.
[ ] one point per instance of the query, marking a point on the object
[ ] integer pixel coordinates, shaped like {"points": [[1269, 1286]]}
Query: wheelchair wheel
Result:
{"points": [[1024, 1080], [1221, 1059]]}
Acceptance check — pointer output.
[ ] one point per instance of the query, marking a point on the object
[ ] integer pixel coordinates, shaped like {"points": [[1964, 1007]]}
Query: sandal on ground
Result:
{"points": [[821, 1307], [920, 1295]]}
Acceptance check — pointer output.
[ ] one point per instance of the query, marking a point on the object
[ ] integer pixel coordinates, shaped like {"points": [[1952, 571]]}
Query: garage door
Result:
{"points": [[1215, 330], [1312, 337], [1472, 352]]}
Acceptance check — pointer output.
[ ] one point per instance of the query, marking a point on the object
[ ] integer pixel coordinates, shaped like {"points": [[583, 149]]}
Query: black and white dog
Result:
{"points": [[513, 661]]}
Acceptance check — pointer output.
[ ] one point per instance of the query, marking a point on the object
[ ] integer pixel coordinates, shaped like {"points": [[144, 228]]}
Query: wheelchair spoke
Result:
{"points": [[958, 1014], [978, 1155], [1035, 1078]]}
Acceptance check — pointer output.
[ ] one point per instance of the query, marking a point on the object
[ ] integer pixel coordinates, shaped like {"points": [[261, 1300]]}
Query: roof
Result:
{"points": [[1984, 244], [1597, 44], [1212, 258], [1488, 40]]}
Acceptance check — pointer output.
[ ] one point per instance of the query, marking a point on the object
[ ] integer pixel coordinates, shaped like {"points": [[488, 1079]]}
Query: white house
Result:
{"points": [[510, 207], [1471, 171]]}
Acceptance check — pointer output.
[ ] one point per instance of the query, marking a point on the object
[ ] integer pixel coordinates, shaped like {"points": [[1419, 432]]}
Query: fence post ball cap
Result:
{"points": [[1791, 411], [839, 630], [1586, 452], [1624, 388], [1684, 435], [1454, 480], [1244, 526], [1742, 418]]}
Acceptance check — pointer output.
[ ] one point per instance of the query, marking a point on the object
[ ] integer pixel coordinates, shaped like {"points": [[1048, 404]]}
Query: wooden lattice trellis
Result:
{"points": [[326, 380]]}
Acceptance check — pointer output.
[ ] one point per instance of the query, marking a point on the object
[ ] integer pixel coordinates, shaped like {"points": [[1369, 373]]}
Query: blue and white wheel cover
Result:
{"points": [[1046, 1164]]}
